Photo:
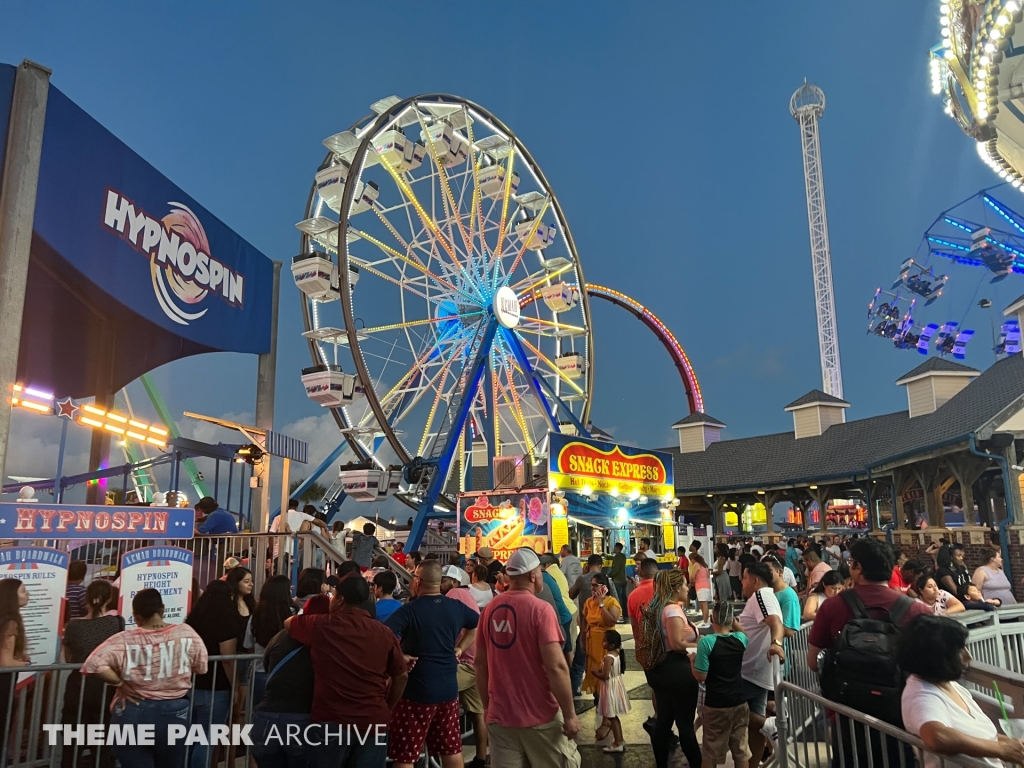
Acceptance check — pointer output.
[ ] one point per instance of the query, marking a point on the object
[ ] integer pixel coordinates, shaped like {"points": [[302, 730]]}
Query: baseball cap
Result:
{"points": [[485, 553], [522, 561], [232, 562], [548, 559], [454, 572]]}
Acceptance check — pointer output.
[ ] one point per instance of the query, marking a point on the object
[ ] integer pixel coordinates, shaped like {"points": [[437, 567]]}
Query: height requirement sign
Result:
{"points": [[584, 465]]}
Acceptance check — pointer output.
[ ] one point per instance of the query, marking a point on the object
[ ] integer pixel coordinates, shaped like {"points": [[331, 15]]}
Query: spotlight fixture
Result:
{"points": [[249, 454]]}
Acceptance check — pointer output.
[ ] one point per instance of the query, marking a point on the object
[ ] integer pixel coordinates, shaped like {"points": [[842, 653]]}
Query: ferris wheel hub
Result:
{"points": [[506, 307]]}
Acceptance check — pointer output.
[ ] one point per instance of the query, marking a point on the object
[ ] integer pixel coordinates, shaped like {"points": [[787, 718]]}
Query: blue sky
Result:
{"points": [[663, 128]]}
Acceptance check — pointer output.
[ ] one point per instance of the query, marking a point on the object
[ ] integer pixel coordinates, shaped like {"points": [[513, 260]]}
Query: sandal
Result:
{"points": [[612, 748], [598, 735]]}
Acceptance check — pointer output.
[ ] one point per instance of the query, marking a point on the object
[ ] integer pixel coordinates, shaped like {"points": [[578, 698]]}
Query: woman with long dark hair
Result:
{"points": [[311, 582], [88, 700], [214, 618], [829, 585], [150, 668], [274, 606], [13, 597], [241, 582], [671, 679]]}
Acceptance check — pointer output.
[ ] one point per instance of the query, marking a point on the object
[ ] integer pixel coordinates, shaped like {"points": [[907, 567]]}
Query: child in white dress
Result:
{"points": [[612, 698]]}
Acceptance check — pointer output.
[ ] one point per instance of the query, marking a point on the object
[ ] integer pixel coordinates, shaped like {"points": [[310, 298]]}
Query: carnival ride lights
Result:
{"points": [[34, 399], [453, 238], [443, 214], [690, 384], [971, 69], [980, 231]]}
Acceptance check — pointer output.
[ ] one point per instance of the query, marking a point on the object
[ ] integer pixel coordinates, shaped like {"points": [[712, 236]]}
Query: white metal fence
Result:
{"points": [[816, 732], [57, 693]]}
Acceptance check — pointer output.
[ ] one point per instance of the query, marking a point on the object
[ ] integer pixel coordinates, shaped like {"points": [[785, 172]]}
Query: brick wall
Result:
{"points": [[975, 542], [1017, 561]]}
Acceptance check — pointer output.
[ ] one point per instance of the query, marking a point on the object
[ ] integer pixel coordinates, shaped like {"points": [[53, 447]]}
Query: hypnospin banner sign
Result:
{"points": [[575, 463], [70, 521], [504, 522]]}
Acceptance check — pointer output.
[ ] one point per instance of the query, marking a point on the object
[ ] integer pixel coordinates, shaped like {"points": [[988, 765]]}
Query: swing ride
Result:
{"points": [[980, 232]]}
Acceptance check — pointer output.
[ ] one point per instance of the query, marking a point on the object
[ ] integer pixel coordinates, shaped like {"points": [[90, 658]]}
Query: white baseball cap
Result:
{"points": [[454, 572], [522, 561]]}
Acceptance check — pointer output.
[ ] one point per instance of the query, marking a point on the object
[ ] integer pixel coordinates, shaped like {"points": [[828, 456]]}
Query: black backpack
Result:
{"points": [[860, 669]]}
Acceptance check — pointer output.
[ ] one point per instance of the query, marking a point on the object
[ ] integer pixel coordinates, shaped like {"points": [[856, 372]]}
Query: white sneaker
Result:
{"points": [[771, 730]]}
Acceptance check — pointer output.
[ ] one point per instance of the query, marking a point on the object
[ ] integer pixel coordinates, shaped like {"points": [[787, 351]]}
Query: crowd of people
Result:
{"points": [[512, 646]]}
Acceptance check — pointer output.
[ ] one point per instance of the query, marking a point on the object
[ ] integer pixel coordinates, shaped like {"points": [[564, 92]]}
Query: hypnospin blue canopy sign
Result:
{"points": [[143, 240]]}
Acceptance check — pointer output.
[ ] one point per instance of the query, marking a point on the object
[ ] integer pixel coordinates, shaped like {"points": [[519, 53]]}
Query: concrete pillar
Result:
{"points": [[18, 186], [266, 380]]}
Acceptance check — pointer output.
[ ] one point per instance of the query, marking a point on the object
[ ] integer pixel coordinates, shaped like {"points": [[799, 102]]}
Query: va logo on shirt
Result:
{"points": [[504, 627]]}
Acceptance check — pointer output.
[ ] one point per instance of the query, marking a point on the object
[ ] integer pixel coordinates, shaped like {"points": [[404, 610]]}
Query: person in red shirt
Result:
{"points": [[683, 563], [871, 563], [643, 593], [522, 676], [354, 653], [896, 580], [399, 556]]}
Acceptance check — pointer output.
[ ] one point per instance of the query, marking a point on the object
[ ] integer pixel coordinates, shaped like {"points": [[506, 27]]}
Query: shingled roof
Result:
{"points": [[938, 365], [850, 449], [814, 397], [699, 418]]}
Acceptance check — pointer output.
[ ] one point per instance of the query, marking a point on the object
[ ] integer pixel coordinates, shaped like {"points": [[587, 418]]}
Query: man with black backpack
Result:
{"points": [[857, 631]]}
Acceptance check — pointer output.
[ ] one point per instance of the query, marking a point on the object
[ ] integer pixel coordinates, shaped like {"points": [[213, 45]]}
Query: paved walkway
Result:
{"points": [[638, 752]]}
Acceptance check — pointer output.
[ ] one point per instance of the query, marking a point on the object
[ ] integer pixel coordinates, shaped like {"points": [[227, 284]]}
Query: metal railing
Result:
{"points": [[57, 693], [814, 731], [286, 553], [817, 733], [283, 553]]}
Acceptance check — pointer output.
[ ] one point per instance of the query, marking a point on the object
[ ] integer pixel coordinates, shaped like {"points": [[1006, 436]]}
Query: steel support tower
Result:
{"points": [[807, 106]]}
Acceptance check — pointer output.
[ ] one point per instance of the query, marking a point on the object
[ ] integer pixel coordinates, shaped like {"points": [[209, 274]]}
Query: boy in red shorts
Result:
{"points": [[428, 713]]}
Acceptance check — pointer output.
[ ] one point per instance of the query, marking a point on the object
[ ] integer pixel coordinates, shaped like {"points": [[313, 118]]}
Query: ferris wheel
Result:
{"points": [[427, 227]]}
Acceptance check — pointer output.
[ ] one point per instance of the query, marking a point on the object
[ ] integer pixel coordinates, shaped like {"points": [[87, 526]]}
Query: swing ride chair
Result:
{"points": [[921, 281]]}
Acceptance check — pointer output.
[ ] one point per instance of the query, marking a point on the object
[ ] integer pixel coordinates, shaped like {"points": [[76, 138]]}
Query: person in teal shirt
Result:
{"points": [[789, 602], [793, 555], [788, 599], [718, 665]]}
